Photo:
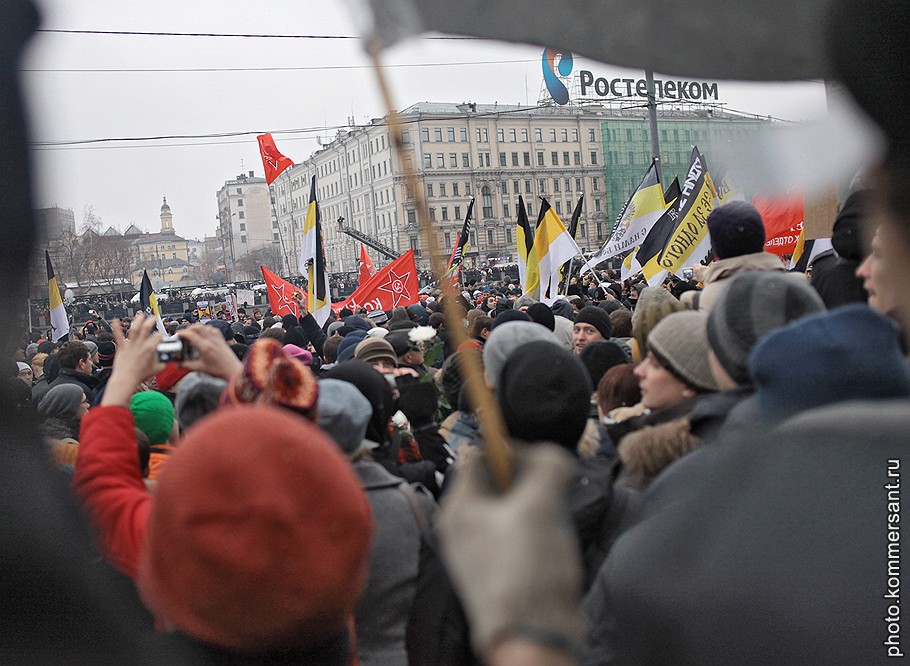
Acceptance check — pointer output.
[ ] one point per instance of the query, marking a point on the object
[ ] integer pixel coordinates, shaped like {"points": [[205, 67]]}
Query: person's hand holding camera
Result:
{"points": [[136, 360], [210, 353]]}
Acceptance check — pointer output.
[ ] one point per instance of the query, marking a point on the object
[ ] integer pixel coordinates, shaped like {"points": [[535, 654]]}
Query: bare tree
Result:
{"points": [[269, 256], [109, 261], [91, 221]]}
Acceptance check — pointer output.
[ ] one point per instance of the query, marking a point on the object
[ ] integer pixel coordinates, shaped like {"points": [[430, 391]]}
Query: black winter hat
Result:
{"points": [[598, 318], [510, 315], [544, 394], [736, 229], [599, 356], [847, 235], [540, 313]]}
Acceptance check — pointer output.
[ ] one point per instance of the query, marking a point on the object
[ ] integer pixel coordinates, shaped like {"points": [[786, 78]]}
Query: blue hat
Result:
{"points": [[851, 353]]}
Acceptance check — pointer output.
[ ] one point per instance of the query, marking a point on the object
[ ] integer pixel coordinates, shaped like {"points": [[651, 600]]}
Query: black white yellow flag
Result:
{"points": [[60, 323], [554, 246], [148, 302], [528, 271], [312, 262]]}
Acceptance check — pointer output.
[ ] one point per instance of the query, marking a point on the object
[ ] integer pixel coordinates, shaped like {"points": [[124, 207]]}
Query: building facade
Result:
{"points": [[164, 254], [245, 221], [493, 153]]}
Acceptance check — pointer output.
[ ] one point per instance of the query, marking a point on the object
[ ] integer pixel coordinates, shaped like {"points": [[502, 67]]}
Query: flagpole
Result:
{"points": [[499, 453], [652, 122]]}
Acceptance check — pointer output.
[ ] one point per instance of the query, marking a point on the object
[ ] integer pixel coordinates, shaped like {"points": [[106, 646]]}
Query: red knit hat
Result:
{"points": [[272, 376], [259, 535]]}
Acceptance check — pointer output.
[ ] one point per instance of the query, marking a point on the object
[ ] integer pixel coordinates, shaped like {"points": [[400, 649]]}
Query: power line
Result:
{"points": [[282, 69], [142, 33]]}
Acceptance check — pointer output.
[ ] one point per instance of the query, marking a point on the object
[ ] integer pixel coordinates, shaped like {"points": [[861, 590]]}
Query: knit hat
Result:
{"points": [[30, 351], [451, 376], [334, 326], [344, 414], [751, 305], [680, 343], [106, 351], [847, 235], [295, 335], [374, 349], [654, 303], [562, 308], [599, 356], [850, 353], [168, 378], [378, 316], [505, 339], [597, 318], [544, 394], [524, 302], [302, 355], [272, 376], [610, 306], [736, 229], [20, 366], [92, 347], [62, 401], [153, 414], [540, 313], [199, 395], [402, 324], [46, 347], [258, 538]]}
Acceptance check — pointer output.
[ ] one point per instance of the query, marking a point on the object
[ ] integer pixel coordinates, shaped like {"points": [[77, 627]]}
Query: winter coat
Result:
{"points": [[774, 548], [81, 379], [723, 269]]}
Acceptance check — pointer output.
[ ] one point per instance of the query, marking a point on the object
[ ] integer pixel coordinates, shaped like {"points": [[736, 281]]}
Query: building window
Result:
{"points": [[513, 137], [487, 198], [592, 135], [412, 216], [593, 157], [412, 241], [553, 135], [538, 135], [442, 189], [457, 212], [524, 135], [501, 135], [502, 159], [239, 190], [427, 161], [445, 213], [505, 209], [597, 208], [527, 159], [577, 158], [453, 160], [486, 159], [542, 185], [527, 187], [455, 189], [509, 235], [467, 189], [482, 135], [556, 184], [568, 184], [559, 208], [425, 134], [631, 157], [515, 187], [440, 160], [583, 229], [489, 237], [243, 239], [540, 161], [405, 138], [565, 135], [243, 226], [474, 238], [450, 134], [504, 188], [515, 159], [554, 158], [595, 185], [447, 239], [433, 214], [575, 135], [565, 158], [430, 192], [466, 159], [437, 134], [239, 202], [240, 214], [463, 133]]}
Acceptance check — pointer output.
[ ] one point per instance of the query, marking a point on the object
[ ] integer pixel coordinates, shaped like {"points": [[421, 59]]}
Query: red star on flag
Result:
{"points": [[397, 286]]}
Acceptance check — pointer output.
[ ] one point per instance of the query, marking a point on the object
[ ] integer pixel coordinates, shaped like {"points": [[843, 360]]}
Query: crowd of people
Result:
{"points": [[271, 488]]}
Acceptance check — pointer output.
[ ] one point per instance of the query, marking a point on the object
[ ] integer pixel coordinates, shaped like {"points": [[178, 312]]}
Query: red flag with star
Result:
{"points": [[367, 269], [273, 162], [281, 294], [394, 285]]}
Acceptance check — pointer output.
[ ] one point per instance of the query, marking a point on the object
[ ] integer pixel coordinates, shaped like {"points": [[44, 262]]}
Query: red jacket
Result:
{"points": [[108, 482]]}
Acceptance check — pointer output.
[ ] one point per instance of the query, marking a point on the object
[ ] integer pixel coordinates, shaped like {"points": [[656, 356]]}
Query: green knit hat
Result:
{"points": [[153, 413]]}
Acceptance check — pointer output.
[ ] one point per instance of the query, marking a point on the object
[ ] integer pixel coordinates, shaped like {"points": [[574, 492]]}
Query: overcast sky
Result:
{"points": [[125, 182]]}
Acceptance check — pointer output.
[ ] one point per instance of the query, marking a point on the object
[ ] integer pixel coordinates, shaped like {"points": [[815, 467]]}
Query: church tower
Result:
{"points": [[167, 220]]}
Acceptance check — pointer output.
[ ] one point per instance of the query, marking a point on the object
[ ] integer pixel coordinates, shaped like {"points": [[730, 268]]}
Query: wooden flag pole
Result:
{"points": [[498, 451]]}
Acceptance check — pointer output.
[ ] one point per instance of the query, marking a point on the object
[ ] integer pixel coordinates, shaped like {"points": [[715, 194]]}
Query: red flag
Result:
{"points": [[272, 161], [780, 213], [281, 294], [394, 285], [367, 269]]}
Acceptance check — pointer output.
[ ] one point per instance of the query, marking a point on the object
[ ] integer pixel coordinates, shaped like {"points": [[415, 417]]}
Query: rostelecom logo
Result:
{"points": [[557, 88]]}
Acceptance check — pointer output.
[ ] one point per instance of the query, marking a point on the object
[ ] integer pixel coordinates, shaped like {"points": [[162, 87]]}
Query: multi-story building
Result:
{"points": [[493, 153], [52, 223], [245, 221], [164, 254]]}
